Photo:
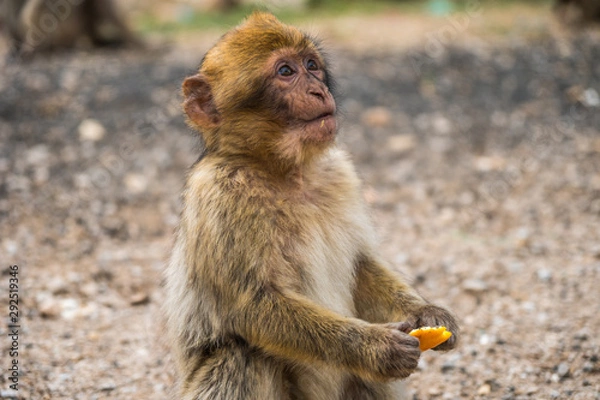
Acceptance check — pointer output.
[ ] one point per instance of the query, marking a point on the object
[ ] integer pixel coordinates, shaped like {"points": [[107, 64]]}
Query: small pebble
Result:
{"points": [[588, 367], [590, 98], [474, 285], [37, 155], [531, 390], [563, 370], [377, 117], [441, 125], [107, 387], [401, 143], [139, 299], [434, 391], [136, 183], [486, 164], [49, 308], [581, 335], [9, 394], [544, 275], [57, 285], [450, 363], [484, 390], [91, 130]]}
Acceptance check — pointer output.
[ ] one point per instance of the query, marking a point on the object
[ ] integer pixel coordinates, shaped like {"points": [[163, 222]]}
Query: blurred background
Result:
{"points": [[474, 125]]}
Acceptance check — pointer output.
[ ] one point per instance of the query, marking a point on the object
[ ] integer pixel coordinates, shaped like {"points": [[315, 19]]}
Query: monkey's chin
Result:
{"points": [[320, 130], [307, 139]]}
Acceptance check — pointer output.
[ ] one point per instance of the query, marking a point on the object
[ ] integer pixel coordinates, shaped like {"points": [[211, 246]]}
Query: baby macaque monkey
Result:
{"points": [[274, 288], [577, 13], [41, 25]]}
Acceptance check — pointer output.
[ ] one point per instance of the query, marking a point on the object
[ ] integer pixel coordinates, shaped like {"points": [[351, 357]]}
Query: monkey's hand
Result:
{"points": [[431, 315], [391, 353]]}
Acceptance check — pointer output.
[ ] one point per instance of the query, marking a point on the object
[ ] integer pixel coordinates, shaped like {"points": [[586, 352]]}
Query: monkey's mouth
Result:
{"points": [[321, 118], [321, 128]]}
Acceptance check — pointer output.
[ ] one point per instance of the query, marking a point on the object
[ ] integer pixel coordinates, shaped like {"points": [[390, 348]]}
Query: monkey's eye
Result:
{"points": [[285, 70], [312, 65]]}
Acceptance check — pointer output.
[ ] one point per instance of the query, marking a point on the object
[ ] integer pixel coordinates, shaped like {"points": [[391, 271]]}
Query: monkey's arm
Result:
{"points": [[288, 325], [381, 296]]}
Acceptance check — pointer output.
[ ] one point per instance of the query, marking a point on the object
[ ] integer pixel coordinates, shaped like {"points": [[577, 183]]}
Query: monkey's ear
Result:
{"points": [[199, 103]]}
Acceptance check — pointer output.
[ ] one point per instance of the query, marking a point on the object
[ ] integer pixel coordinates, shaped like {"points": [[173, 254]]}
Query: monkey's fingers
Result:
{"points": [[430, 337], [404, 326]]}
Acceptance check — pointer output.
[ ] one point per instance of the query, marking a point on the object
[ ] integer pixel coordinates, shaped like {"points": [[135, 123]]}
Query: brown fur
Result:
{"points": [[577, 13], [40, 25], [274, 290]]}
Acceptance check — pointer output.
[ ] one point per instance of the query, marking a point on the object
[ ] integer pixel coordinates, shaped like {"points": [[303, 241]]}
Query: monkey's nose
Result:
{"points": [[317, 93]]}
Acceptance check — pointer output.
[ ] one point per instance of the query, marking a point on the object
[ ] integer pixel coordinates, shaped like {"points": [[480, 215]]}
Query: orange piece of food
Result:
{"points": [[429, 337]]}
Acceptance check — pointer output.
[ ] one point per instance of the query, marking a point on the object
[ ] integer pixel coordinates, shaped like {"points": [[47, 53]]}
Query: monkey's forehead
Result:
{"points": [[255, 40], [265, 32]]}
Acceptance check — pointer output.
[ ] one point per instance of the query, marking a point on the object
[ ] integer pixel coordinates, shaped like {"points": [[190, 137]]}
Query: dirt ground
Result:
{"points": [[480, 157]]}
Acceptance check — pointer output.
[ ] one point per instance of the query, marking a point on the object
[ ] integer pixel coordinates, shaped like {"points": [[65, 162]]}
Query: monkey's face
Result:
{"points": [[307, 106], [263, 90]]}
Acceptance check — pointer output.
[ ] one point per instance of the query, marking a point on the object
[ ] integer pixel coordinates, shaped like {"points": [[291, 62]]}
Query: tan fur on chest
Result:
{"points": [[328, 249], [331, 229]]}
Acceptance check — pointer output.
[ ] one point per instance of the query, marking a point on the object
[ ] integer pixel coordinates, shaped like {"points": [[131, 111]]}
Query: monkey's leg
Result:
{"points": [[235, 371]]}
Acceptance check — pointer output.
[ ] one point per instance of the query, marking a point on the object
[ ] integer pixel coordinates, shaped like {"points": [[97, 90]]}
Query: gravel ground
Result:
{"points": [[481, 163]]}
